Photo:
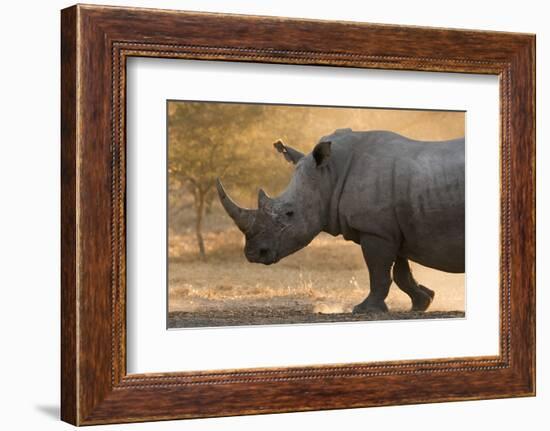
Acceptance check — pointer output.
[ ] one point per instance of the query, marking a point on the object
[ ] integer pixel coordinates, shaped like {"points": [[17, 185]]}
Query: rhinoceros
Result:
{"points": [[399, 199]]}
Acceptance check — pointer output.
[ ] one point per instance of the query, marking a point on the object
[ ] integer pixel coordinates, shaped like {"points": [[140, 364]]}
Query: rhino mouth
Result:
{"points": [[262, 255]]}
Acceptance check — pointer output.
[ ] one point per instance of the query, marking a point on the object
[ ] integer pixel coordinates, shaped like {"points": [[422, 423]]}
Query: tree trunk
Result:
{"points": [[199, 210]]}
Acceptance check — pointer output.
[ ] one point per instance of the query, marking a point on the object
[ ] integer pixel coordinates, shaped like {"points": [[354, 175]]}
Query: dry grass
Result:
{"points": [[329, 276]]}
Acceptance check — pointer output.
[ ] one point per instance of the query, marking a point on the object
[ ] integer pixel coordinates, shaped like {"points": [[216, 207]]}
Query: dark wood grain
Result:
{"points": [[69, 398], [96, 41]]}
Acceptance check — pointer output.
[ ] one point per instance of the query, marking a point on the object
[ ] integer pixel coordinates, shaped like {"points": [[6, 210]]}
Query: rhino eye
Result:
{"points": [[289, 213]]}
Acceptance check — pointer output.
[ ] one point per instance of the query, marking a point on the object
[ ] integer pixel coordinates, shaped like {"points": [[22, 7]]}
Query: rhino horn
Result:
{"points": [[242, 217], [263, 199]]}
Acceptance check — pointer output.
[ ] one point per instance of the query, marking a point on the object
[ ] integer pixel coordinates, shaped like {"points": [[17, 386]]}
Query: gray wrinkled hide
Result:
{"points": [[400, 199], [408, 192]]}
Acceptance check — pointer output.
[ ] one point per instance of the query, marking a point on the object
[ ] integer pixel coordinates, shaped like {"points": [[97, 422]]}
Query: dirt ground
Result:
{"points": [[320, 283], [257, 315]]}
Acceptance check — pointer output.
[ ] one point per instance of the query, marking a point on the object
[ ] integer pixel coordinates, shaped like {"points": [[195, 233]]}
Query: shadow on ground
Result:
{"points": [[52, 411]]}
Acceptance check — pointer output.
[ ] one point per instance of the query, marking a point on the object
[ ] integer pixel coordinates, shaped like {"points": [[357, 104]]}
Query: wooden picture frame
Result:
{"points": [[95, 43]]}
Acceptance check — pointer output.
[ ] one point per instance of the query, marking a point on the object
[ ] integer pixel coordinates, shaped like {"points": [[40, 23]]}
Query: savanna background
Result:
{"points": [[210, 282]]}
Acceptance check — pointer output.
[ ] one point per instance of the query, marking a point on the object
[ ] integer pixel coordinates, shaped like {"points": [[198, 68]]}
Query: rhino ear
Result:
{"points": [[321, 152], [291, 155]]}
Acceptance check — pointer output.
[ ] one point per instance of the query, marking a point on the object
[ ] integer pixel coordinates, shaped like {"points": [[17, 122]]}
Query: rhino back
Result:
{"points": [[409, 192]]}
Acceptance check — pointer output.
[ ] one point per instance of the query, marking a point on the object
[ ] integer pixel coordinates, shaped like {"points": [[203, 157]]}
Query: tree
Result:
{"points": [[204, 142]]}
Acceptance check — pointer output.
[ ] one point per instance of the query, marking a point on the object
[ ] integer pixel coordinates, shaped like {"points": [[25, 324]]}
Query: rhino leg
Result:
{"points": [[379, 255], [420, 295]]}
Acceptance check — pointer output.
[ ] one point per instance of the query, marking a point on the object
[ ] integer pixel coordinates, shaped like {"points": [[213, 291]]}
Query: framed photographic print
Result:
{"points": [[210, 279], [265, 214]]}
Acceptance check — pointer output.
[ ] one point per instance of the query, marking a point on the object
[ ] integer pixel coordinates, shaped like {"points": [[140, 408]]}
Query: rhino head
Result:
{"points": [[285, 224]]}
